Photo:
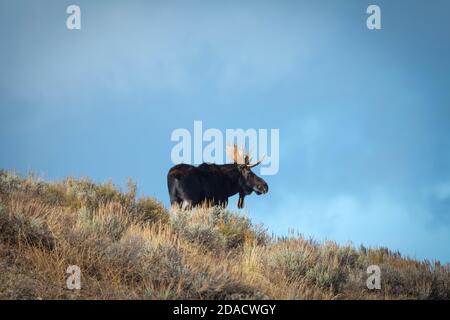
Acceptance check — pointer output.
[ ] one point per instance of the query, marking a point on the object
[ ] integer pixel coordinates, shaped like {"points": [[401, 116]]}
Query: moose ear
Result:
{"points": [[247, 160]]}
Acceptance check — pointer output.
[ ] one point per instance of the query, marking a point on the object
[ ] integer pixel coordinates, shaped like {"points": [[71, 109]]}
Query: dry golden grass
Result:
{"points": [[129, 248]]}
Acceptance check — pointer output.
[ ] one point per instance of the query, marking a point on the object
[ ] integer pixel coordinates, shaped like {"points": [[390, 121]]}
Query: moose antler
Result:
{"points": [[256, 163], [236, 154], [240, 156]]}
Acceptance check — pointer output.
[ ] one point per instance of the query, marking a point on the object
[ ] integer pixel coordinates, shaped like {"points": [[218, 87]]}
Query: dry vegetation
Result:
{"points": [[129, 248]]}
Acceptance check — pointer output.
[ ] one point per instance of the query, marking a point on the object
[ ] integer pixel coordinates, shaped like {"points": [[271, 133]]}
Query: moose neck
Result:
{"points": [[232, 174]]}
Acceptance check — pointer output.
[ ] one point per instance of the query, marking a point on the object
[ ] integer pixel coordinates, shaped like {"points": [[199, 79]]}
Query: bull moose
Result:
{"points": [[212, 184]]}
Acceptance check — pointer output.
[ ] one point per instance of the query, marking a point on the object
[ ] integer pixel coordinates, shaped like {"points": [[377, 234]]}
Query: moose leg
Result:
{"points": [[223, 203], [240, 203], [186, 205]]}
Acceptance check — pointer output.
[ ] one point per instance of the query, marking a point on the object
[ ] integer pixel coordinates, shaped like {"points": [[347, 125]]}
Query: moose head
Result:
{"points": [[247, 179]]}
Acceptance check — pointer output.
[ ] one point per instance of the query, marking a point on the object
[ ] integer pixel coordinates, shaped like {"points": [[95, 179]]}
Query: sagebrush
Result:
{"points": [[133, 248]]}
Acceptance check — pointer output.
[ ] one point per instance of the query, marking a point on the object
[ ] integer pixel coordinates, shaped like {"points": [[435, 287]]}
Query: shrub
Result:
{"points": [[16, 227], [150, 210], [292, 258], [129, 247], [217, 228]]}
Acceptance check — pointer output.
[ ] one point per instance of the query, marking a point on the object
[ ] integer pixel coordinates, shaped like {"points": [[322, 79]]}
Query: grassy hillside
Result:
{"points": [[130, 248]]}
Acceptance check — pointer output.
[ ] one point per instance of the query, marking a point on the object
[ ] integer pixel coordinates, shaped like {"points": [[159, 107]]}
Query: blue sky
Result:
{"points": [[364, 116]]}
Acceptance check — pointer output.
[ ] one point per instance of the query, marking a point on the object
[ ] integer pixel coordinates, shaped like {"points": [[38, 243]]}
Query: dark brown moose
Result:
{"points": [[212, 184]]}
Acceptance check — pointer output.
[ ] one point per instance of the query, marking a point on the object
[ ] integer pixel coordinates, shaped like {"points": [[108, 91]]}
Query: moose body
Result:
{"points": [[212, 184]]}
